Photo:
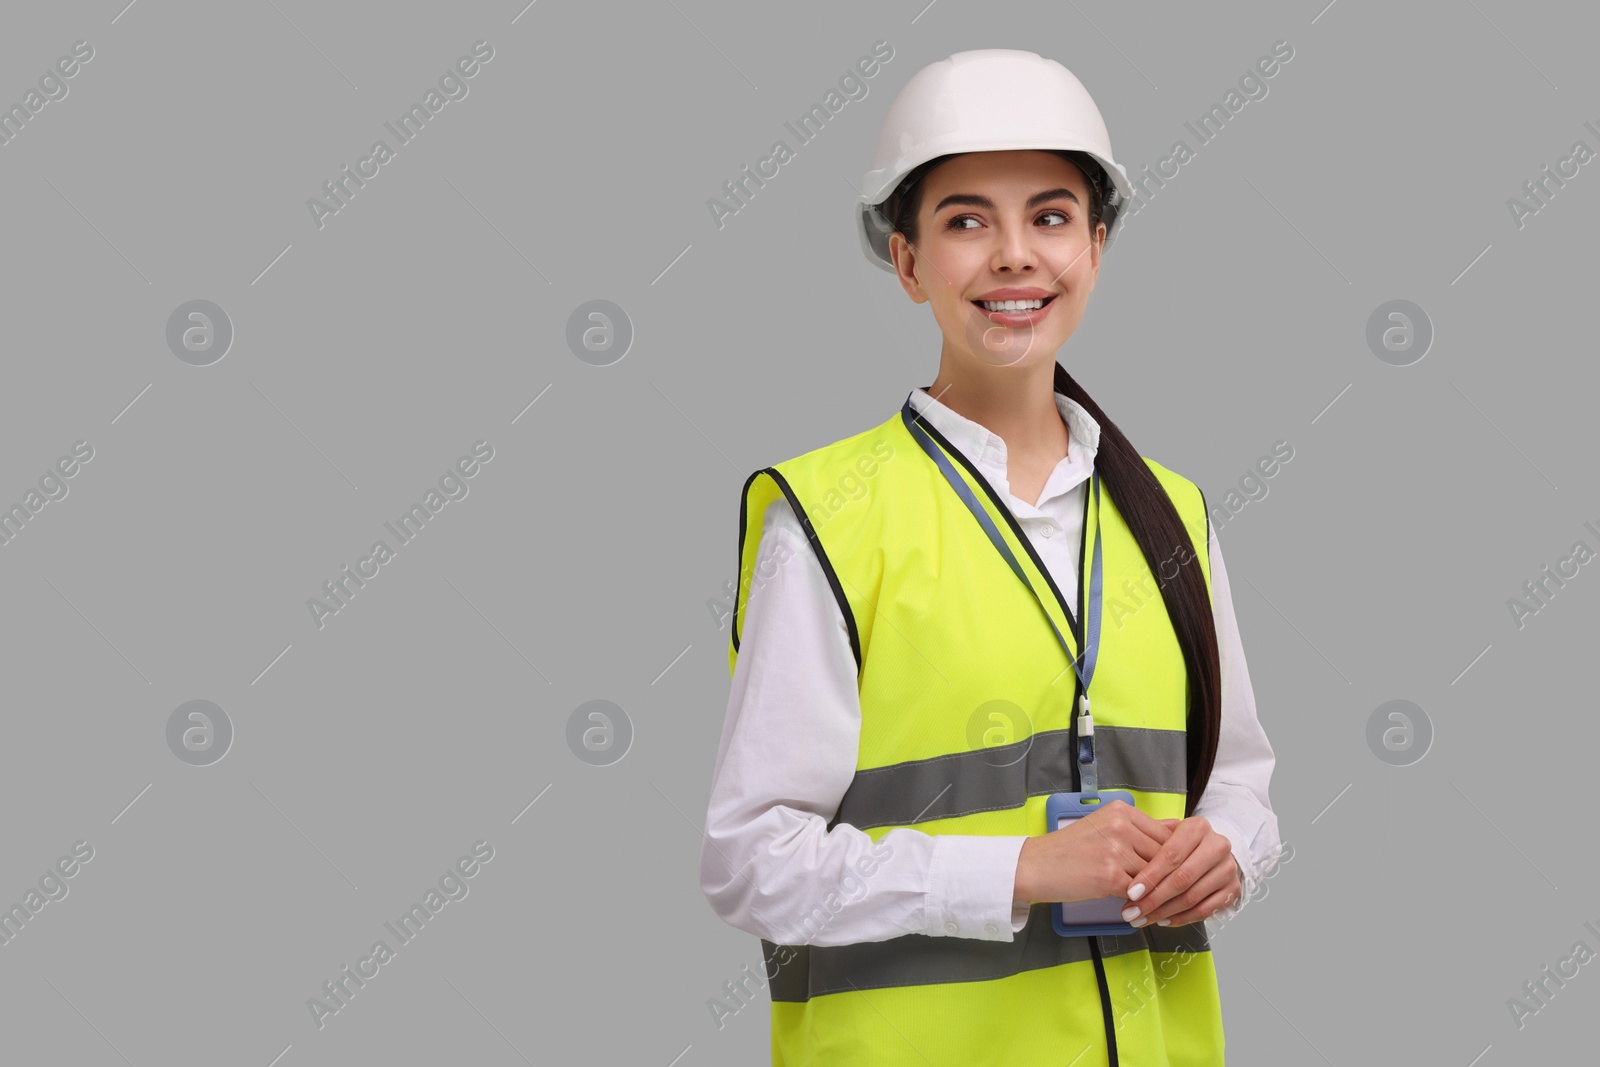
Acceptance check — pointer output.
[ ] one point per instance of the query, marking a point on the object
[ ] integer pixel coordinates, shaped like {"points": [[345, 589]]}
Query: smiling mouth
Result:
{"points": [[1014, 306]]}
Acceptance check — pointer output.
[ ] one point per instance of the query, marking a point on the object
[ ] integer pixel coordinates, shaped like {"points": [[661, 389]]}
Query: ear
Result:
{"points": [[1097, 245], [905, 265]]}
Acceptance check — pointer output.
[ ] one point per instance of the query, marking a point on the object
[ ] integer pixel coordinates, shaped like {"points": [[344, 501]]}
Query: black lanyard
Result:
{"points": [[1084, 665]]}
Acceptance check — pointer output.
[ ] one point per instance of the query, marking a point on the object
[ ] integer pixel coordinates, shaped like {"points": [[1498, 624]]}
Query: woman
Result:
{"points": [[912, 673]]}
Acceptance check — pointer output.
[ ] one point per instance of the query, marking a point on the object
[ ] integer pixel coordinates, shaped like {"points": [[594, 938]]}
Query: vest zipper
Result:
{"points": [[1076, 618]]}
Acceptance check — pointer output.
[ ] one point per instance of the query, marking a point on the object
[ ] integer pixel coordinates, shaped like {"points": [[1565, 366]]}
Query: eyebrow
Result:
{"points": [[973, 200]]}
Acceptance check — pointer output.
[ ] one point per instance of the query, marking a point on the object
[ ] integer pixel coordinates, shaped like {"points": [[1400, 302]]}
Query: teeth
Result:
{"points": [[1012, 305]]}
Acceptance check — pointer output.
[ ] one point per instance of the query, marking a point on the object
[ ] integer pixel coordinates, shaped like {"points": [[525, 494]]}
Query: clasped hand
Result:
{"points": [[1192, 877], [1172, 871]]}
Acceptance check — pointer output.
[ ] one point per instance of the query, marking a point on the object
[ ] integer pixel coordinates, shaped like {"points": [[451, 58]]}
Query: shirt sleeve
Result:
{"points": [[769, 865], [1235, 802]]}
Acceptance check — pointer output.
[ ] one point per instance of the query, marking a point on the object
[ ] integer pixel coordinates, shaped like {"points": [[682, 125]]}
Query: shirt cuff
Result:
{"points": [[971, 887], [1240, 848]]}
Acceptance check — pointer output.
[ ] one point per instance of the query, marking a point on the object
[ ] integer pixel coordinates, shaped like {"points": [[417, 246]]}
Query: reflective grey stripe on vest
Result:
{"points": [[987, 779], [917, 959]]}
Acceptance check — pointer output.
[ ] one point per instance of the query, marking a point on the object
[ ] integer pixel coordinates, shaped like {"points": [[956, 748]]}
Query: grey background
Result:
{"points": [[370, 354]]}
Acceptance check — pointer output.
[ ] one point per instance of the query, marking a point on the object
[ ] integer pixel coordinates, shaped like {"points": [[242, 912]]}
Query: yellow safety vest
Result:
{"points": [[952, 653]]}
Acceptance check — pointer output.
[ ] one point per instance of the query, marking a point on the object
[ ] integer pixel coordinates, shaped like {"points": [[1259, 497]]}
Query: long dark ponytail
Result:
{"points": [[1155, 524], [1143, 503]]}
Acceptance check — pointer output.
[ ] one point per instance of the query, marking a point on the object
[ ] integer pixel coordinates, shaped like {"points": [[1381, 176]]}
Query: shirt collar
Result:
{"points": [[987, 449]]}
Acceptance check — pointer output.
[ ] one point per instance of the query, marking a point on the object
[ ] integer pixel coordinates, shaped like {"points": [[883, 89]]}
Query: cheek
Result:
{"points": [[1075, 267], [943, 268], [941, 277]]}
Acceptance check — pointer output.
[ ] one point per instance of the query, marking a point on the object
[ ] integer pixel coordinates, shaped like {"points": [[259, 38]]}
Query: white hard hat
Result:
{"points": [[984, 100]]}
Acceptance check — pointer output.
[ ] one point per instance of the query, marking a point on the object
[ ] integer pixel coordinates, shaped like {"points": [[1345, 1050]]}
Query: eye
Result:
{"points": [[956, 221]]}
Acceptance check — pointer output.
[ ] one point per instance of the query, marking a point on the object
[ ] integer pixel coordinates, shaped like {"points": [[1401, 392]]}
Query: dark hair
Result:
{"points": [[1143, 503]]}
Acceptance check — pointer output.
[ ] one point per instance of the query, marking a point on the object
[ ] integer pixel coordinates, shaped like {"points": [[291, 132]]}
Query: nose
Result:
{"points": [[1013, 249]]}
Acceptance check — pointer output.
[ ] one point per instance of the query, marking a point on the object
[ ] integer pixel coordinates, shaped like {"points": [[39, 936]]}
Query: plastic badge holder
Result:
{"points": [[1086, 918]]}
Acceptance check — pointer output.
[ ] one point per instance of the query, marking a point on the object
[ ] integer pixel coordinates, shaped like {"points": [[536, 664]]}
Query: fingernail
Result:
{"points": [[1136, 892], [1164, 922], [1129, 912], [1139, 922]]}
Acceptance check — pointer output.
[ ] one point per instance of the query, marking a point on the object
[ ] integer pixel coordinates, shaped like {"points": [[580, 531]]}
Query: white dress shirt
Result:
{"points": [[789, 744]]}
